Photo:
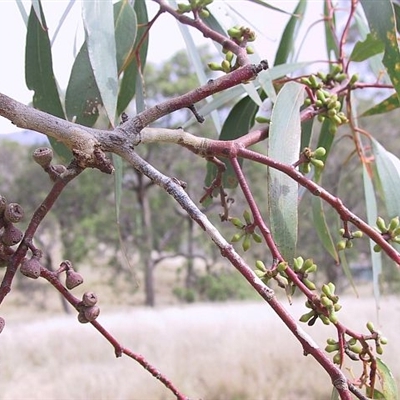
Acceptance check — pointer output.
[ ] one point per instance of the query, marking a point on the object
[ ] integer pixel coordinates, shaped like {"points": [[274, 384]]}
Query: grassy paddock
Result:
{"points": [[210, 351]]}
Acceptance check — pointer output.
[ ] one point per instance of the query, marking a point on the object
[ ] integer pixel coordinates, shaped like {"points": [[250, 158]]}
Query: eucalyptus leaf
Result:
{"points": [[100, 39], [284, 147], [40, 77], [381, 20]]}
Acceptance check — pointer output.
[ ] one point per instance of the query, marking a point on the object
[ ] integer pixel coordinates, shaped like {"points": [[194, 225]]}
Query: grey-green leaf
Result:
{"points": [[284, 147], [100, 38]]}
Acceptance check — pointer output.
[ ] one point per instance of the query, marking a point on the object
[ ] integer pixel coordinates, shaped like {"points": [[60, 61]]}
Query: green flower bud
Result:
{"points": [[237, 222], [310, 285], [319, 152], [256, 237], [260, 266], [394, 223], [370, 327], [204, 13], [229, 56], [249, 50], [357, 234], [306, 317], [246, 244], [236, 237], [330, 348], [214, 66], [226, 66], [247, 217]]}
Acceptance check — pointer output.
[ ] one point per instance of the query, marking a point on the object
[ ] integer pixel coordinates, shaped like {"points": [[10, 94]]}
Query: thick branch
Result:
{"points": [[74, 136]]}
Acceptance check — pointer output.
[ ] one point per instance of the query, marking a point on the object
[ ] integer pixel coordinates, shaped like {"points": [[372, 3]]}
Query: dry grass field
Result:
{"points": [[228, 351]]}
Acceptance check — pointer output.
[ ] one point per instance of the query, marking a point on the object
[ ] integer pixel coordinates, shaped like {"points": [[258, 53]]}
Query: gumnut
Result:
{"points": [[73, 279], [2, 324], [91, 313], [43, 156], [13, 213], [89, 299], [81, 318], [11, 235], [31, 268]]}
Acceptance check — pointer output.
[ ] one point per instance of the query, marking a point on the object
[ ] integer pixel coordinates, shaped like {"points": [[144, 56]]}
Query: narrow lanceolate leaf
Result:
{"points": [[37, 7], [367, 48], [372, 214], [381, 20], [136, 60], [83, 98], [237, 124], [99, 27], [284, 147], [125, 24], [389, 104], [387, 381], [322, 228], [286, 46], [388, 166], [39, 75]]}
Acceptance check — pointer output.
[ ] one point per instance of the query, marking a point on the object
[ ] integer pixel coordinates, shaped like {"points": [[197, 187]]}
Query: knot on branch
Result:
{"points": [[262, 66], [97, 159]]}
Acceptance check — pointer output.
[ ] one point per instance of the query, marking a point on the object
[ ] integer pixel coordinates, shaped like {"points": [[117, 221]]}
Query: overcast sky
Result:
{"points": [[165, 38]]}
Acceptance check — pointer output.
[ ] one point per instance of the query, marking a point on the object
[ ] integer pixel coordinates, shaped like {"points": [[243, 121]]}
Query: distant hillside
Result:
{"points": [[25, 137]]}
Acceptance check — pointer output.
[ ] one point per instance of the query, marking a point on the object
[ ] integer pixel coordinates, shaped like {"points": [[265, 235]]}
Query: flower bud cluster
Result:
{"points": [[88, 311]]}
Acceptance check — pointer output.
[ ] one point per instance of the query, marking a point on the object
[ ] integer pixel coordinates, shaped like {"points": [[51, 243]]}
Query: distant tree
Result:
{"points": [[285, 120]]}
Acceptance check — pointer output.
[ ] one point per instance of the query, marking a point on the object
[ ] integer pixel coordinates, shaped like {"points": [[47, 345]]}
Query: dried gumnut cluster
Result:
{"points": [[73, 278], [10, 235], [43, 156], [87, 309]]}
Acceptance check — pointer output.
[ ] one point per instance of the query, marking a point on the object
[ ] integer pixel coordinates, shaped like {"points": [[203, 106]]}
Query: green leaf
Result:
{"points": [[396, 8], [284, 147], [289, 36], [389, 104], [381, 20], [367, 48], [125, 24], [39, 75], [237, 124], [100, 40], [136, 59], [372, 214], [387, 380], [306, 133], [82, 97], [322, 228], [388, 166], [37, 6]]}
